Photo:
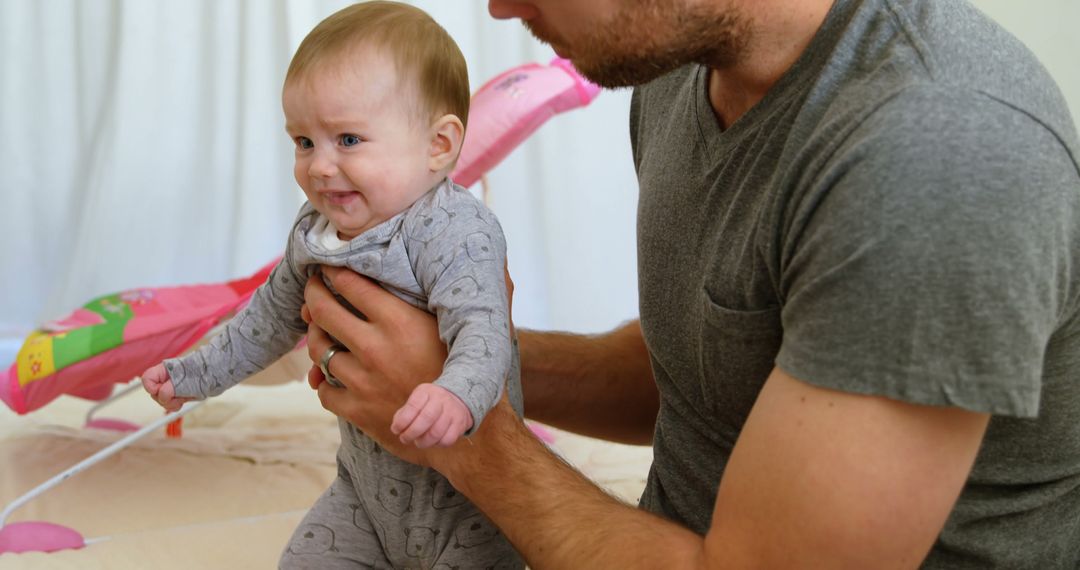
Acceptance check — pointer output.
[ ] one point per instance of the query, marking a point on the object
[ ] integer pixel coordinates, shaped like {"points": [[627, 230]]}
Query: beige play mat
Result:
{"points": [[226, 495]]}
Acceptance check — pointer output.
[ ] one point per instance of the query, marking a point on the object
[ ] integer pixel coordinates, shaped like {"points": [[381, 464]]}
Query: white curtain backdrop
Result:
{"points": [[143, 145]]}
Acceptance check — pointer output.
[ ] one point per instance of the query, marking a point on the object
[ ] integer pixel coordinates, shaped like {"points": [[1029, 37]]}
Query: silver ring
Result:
{"points": [[324, 363]]}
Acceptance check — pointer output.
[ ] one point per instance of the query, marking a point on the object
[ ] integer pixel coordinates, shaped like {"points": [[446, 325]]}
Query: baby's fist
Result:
{"points": [[154, 378], [156, 382], [432, 416]]}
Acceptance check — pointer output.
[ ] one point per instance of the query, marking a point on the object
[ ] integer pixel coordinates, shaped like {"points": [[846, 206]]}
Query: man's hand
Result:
{"points": [[390, 354]]}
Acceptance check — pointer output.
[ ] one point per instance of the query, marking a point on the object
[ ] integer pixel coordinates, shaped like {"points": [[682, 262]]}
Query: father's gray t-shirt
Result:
{"points": [[899, 216]]}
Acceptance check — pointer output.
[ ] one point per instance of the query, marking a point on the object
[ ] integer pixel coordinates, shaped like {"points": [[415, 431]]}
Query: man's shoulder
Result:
{"points": [[963, 54], [936, 80], [939, 122]]}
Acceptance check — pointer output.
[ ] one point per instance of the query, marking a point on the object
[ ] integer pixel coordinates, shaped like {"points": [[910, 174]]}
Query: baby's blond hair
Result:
{"points": [[426, 57]]}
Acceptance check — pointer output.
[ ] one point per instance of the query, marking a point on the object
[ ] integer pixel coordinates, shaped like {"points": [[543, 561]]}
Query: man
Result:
{"points": [[859, 258]]}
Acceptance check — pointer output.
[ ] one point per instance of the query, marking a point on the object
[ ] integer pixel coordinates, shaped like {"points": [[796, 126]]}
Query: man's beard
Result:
{"points": [[642, 43]]}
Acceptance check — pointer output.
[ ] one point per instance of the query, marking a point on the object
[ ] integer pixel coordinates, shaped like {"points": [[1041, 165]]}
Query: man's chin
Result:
{"points": [[609, 76], [541, 35]]}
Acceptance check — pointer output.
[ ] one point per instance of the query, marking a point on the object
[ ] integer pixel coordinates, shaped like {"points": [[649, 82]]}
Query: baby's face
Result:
{"points": [[359, 158]]}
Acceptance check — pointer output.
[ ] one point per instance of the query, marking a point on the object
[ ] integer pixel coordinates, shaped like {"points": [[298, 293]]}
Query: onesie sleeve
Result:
{"points": [[261, 333], [458, 252], [929, 260]]}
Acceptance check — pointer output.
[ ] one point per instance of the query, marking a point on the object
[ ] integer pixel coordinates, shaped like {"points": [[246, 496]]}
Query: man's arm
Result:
{"points": [[818, 477], [823, 478], [596, 385]]}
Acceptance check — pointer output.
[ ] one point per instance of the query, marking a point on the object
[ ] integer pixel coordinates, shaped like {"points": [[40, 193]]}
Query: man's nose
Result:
{"points": [[506, 9]]}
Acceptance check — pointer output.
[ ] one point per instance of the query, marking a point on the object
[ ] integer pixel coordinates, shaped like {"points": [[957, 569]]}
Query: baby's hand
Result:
{"points": [[156, 382], [432, 416]]}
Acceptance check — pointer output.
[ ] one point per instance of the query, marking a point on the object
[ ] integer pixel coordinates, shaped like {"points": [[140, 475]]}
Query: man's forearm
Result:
{"points": [[553, 515], [595, 385]]}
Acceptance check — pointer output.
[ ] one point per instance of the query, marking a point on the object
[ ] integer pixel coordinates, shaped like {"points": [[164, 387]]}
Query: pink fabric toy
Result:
{"points": [[507, 109], [112, 338]]}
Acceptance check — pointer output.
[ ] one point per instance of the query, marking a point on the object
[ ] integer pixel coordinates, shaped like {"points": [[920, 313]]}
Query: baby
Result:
{"points": [[376, 100]]}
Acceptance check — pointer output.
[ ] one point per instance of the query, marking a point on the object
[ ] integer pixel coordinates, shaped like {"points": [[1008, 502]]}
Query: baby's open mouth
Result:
{"points": [[341, 198]]}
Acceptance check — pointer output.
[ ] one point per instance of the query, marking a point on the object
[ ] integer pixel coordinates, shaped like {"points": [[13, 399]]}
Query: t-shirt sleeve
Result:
{"points": [[928, 259]]}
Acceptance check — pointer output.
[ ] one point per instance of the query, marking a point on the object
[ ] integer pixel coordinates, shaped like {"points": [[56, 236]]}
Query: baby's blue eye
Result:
{"points": [[350, 140], [304, 143]]}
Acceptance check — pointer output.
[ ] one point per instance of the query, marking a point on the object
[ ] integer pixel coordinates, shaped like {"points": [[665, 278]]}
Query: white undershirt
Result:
{"points": [[325, 235]]}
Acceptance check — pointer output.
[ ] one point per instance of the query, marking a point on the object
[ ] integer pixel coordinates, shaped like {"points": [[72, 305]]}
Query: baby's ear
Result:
{"points": [[447, 134]]}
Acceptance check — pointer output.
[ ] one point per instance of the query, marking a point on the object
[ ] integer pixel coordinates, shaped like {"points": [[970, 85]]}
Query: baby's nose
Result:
{"points": [[322, 166]]}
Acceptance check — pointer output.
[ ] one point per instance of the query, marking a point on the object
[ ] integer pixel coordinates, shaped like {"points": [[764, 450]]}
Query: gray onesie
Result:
{"points": [[445, 254]]}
